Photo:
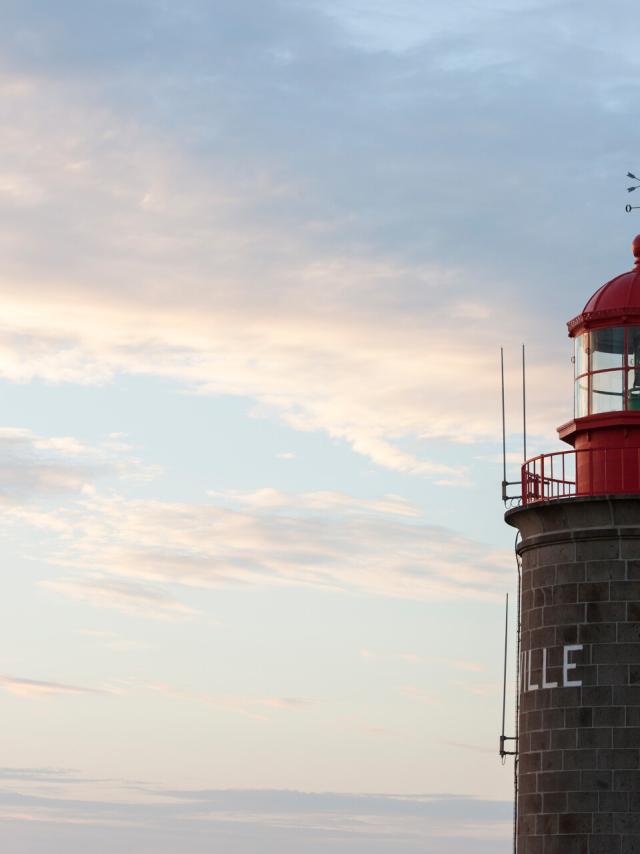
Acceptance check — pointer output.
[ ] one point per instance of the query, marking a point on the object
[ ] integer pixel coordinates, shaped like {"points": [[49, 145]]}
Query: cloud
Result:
{"points": [[36, 774], [246, 706], [122, 594], [414, 692], [112, 641], [376, 26], [323, 500], [31, 466], [358, 387], [142, 556], [288, 703], [34, 467], [283, 821], [338, 247], [36, 689], [413, 658], [249, 707], [131, 554], [400, 656]]}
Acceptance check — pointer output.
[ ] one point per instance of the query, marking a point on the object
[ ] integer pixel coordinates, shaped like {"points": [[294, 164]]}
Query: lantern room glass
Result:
{"points": [[582, 396], [633, 363], [607, 391], [607, 370], [606, 349]]}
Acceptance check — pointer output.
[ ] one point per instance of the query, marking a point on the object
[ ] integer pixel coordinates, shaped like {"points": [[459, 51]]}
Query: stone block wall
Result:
{"points": [[579, 724]]}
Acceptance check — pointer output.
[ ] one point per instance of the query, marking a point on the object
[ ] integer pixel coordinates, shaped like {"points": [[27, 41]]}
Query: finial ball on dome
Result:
{"points": [[635, 246]]}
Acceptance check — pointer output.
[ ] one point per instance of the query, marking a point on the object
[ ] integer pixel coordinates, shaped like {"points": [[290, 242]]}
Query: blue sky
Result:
{"points": [[258, 262]]}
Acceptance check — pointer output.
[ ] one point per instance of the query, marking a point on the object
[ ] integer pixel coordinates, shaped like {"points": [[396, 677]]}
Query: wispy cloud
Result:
{"points": [[290, 703], [413, 658], [122, 594], [417, 693], [283, 821], [36, 467], [255, 708], [38, 775], [324, 500], [37, 689], [246, 706], [122, 552], [309, 288], [129, 554], [113, 641]]}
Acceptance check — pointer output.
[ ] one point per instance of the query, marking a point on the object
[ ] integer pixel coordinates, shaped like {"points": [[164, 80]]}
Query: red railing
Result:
{"points": [[591, 471]]}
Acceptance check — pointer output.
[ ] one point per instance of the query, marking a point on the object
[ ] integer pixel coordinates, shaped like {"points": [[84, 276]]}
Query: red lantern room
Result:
{"points": [[605, 429]]}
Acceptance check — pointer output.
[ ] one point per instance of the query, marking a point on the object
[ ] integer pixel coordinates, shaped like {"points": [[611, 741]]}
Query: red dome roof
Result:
{"points": [[615, 303]]}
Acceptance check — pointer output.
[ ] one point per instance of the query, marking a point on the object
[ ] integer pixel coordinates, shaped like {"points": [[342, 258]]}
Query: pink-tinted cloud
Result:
{"points": [[126, 553], [37, 689], [125, 595], [194, 290]]}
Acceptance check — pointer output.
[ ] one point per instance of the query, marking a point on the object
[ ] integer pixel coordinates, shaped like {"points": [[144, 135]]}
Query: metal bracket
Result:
{"points": [[503, 740], [505, 486]]}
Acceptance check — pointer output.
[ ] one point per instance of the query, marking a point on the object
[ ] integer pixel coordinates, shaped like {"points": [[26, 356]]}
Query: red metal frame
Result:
{"points": [[584, 472]]}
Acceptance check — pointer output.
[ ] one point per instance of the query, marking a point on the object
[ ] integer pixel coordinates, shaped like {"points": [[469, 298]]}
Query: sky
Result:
{"points": [[258, 261]]}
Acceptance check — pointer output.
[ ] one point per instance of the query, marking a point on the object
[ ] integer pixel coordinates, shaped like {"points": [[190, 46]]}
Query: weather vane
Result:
{"points": [[630, 208]]}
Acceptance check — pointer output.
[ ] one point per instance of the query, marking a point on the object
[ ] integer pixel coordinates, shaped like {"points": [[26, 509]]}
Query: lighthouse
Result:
{"points": [[578, 773]]}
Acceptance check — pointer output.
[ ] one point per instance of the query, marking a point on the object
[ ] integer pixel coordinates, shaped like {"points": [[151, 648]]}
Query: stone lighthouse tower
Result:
{"points": [[579, 521]]}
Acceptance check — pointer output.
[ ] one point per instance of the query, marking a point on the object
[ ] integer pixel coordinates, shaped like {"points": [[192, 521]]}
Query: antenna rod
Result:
{"points": [[504, 674], [524, 405], [504, 435]]}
